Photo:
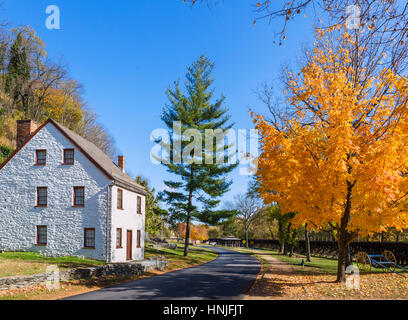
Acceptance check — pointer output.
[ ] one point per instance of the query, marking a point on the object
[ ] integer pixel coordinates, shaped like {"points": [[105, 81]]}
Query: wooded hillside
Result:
{"points": [[34, 87]]}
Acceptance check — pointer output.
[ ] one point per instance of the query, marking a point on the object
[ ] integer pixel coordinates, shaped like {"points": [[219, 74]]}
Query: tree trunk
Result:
{"points": [[189, 209], [292, 248], [287, 237], [307, 243], [398, 237], [246, 238], [271, 232], [341, 263], [344, 237], [280, 237], [349, 260], [187, 238]]}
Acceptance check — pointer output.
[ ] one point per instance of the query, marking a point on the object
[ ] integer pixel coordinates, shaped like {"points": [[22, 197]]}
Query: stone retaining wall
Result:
{"points": [[115, 269]]}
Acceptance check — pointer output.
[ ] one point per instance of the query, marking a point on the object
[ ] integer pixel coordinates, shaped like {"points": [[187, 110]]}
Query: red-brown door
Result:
{"points": [[129, 245]]}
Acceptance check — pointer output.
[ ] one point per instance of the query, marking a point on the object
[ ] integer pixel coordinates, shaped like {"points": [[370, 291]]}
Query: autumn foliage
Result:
{"points": [[63, 108], [197, 232], [339, 156]]}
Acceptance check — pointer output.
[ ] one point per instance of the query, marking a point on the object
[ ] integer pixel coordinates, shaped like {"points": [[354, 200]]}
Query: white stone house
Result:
{"points": [[62, 196]]}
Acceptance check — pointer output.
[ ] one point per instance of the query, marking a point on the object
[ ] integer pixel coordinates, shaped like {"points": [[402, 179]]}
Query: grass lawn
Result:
{"points": [[37, 262], [196, 256], [30, 263], [317, 264]]}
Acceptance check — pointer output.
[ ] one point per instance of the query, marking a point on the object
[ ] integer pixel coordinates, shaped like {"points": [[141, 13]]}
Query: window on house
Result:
{"points": [[79, 196], [139, 240], [118, 238], [42, 196], [40, 157], [42, 235], [89, 238], [120, 199], [139, 205], [69, 156]]}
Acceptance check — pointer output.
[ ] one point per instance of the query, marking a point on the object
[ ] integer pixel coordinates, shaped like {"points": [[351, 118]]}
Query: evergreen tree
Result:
{"points": [[5, 152], [196, 194]]}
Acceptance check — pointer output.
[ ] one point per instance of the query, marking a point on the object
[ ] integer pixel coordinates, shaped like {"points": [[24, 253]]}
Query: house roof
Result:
{"points": [[95, 155]]}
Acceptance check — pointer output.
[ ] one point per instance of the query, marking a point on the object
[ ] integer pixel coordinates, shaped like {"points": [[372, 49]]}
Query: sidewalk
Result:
{"points": [[277, 281]]}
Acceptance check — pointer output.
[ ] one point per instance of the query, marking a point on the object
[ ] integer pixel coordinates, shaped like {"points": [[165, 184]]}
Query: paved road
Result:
{"points": [[229, 277]]}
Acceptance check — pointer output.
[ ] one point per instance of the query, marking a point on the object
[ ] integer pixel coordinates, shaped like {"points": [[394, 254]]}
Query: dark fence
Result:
{"points": [[329, 248], [234, 242]]}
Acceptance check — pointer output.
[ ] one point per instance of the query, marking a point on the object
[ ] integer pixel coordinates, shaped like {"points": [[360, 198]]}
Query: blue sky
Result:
{"points": [[126, 53]]}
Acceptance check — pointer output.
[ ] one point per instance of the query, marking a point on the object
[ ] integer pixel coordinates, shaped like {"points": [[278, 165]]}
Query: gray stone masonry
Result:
{"points": [[115, 269]]}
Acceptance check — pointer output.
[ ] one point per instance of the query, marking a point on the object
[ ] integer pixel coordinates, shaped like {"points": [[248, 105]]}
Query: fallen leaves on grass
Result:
{"points": [[280, 281]]}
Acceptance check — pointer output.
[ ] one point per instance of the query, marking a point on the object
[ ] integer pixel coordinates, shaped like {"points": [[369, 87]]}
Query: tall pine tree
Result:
{"points": [[201, 182]]}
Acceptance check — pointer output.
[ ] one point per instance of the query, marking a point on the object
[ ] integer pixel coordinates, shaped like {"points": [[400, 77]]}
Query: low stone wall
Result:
{"points": [[115, 269], [161, 245]]}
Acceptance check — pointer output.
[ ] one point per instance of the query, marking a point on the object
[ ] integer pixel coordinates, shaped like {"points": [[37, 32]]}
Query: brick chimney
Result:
{"points": [[121, 163], [24, 129]]}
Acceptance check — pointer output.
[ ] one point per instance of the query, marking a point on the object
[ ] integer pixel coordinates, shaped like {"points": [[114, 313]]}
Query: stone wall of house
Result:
{"points": [[116, 269], [19, 215]]}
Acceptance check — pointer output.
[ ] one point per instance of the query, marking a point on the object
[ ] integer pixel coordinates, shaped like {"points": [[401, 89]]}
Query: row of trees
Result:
{"points": [[251, 219], [333, 145], [201, 183], [271, 224], [34, 87]]}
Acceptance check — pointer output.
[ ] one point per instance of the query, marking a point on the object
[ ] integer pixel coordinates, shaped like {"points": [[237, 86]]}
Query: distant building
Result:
{"points": [[228, 241]]}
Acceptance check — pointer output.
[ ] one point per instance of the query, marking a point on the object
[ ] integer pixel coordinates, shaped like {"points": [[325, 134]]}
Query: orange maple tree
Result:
{"points": [[339, 156], [197, 232]]}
